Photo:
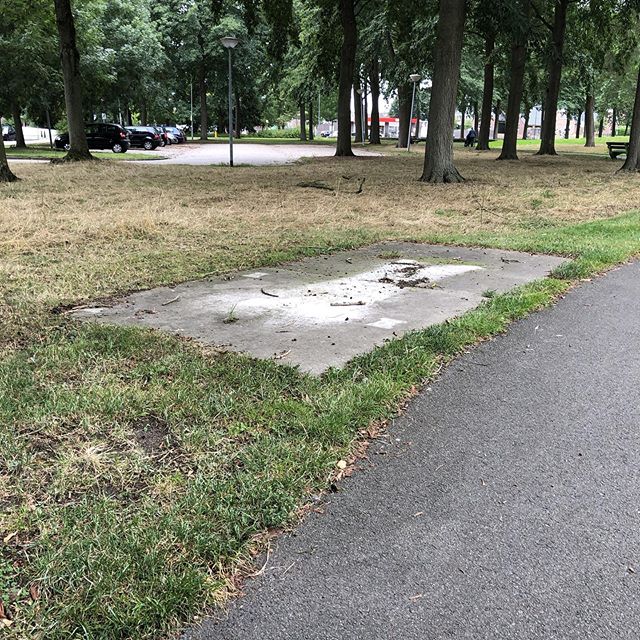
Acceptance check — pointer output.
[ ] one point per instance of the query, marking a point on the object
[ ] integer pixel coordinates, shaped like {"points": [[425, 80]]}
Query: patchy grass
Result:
{"points": [[138, 470]]}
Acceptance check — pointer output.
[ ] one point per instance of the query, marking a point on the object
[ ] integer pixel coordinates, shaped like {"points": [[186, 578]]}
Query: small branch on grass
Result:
{"points": [[164, 304], [360, 303], [271, 295]]}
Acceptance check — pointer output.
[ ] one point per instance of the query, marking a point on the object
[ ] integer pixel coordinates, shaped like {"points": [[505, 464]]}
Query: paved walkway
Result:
{"points": [[250, 154], [504, 504]]}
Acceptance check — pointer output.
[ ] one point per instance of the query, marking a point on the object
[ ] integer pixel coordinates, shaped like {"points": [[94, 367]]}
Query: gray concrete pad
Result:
{"points": [[321, 312]]}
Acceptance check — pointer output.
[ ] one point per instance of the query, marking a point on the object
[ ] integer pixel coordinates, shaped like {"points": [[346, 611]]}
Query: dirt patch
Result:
{"points": [[153, 435]]}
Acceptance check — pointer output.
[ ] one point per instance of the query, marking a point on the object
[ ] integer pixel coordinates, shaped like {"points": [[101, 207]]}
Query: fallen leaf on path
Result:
{"points": [[34, 592], [342, 464]]}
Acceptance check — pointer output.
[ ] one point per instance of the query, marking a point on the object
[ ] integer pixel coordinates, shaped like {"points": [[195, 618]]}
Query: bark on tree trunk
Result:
{"points": [[310, 120], [632, 162], [476, 117], [516, 89], [463, 117], [17, 124], [601, 127], [438, 159], [527, 114], [129, 117], [404, 106], [70, 62], [347, 64], [143, 113], [202, 87], [374, 82], [6, 175], [578, 124], [487, 95], [614, 121], [548, 136], [626, 128], [303, 122], [365, 109], [589, 128], [496, 122], [357, 109], [567, 126]]}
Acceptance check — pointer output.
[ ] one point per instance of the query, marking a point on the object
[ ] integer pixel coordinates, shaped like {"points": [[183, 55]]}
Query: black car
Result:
{"points": [[99, 136], [146, 137], [176, 133], [8, 133]]}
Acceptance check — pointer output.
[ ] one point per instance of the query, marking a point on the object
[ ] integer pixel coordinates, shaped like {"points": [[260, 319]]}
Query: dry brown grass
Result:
{"points": [[68, 233]]}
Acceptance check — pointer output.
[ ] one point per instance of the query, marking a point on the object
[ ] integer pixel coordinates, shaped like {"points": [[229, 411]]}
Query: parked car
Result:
{"points": [[146, 137], [99, 136], [164, 136], [172, 137], [8, 133], [177, 134]]}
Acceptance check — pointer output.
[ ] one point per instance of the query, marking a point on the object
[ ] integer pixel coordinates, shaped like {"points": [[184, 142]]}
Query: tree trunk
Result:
{"points": [[578, 124], [601, 127], [567, 126], [143, 113], [347, 64], [589, 125], [17, 123], [438, 159], [202, 88], [614, 121], [310, 120], [6, 175], [487, 95], [632, 162], [626, 127], [516, 89], [374, 82], [496, 122], [476, 117], [365, 109], [129, 117], [548, 137], [70, 62], [303, 122], [463, 117], [357, 109], [404, 107], [527, 115]]}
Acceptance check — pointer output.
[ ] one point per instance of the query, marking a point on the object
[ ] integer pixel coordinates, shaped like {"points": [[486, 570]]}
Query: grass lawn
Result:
{"points": [[37, 152], [139, 471]]}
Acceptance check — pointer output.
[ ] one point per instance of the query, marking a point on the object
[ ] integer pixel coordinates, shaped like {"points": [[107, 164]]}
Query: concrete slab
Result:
{"points": [[321, 312]]}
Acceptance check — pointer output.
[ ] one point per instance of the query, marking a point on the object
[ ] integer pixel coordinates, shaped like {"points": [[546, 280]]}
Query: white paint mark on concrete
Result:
{"points": [[327, 302], [256, 276], [386, 323]]}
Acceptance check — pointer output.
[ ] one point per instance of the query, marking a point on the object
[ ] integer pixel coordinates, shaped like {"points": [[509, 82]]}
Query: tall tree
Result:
{"points": [[70, 62], [632, 162], [520, 30], [347, 67], [554, 74], [374, 82], [6, 175], [438, 160]]}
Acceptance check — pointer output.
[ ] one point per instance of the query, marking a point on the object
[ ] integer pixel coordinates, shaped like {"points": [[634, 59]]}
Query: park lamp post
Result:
{"points": [[230, 42], [415, 78]]}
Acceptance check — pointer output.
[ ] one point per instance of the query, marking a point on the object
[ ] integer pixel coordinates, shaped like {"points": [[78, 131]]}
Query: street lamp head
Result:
{"points": [[415, 77], [229, 42]]}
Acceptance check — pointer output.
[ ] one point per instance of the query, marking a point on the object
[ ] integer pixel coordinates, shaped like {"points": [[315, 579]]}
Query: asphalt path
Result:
{"points": [[503, 504]]}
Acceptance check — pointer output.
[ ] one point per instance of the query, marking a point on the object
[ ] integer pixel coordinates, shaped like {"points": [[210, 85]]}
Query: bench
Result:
{"points": [[617, 149]]}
